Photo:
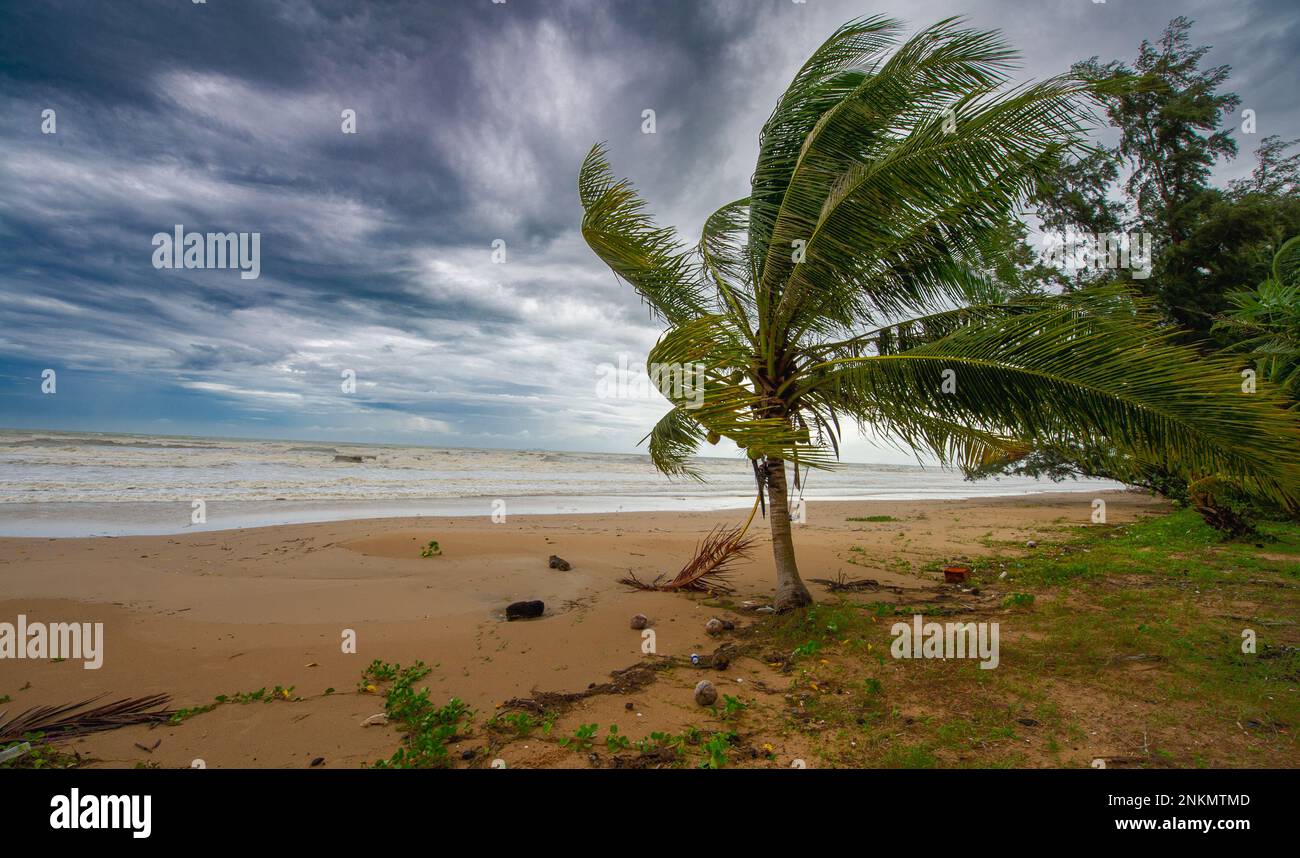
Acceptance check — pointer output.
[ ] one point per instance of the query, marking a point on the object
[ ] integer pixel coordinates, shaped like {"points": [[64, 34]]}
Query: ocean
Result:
{"points": [[61, 484]]}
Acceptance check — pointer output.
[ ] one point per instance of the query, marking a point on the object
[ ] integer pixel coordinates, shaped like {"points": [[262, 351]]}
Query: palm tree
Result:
{"points": [[854, 284], [1268, 320]]}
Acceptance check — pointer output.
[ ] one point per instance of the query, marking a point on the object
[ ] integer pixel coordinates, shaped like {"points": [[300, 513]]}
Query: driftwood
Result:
{"points": [[645, 760], [861, 585], [624, 681]]}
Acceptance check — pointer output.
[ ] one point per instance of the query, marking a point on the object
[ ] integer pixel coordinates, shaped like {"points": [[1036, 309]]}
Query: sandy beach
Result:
{"points": [[203, 614]]}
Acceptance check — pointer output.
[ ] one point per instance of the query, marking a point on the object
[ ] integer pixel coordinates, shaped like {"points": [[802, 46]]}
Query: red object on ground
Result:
{"points": [[956, 574]]}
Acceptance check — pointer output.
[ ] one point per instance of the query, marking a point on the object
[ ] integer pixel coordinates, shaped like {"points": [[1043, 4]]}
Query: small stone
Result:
{"points": [[640, 621], [317, 762], [1031, 544], [560, 563], [468, 755], [705, 693], [525, 610], [628, 706], [375, 720]]}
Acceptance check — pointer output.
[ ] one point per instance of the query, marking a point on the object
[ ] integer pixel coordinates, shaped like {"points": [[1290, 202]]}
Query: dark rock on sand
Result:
{"points": [[525, 610], [640, 621], [560, 563]]}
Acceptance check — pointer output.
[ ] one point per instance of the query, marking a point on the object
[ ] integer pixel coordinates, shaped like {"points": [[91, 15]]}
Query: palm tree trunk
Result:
{"points": [[790, 590]]}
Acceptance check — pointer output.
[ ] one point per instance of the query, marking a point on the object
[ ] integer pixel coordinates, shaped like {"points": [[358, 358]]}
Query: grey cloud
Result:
{"points": [[473, 118]]}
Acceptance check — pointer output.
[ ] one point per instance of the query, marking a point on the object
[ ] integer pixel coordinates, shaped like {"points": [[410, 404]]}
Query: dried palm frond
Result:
{"points": [[76, 719], [710, 567]]}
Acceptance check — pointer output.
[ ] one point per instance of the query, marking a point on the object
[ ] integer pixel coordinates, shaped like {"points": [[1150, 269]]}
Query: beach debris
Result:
{"points": [[716, 626], [15, 752], [719, 659], [558, 562], [640, 621], [709, 569], [433, 549], [149, 749], [1031, 544], [753, 605], [628, 680], [378, 720], [468, 754], [319, 761], [842, 584], [654, 759], [80, 718], [956, 573], [1139, 657], [705, 693], [525, 610]]}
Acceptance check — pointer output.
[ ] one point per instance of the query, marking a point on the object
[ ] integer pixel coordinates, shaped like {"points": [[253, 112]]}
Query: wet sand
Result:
{"points": [[210, 613]]}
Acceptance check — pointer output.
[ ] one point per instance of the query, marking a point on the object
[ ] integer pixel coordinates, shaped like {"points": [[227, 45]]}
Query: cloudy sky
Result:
{"points": [[472, 117]]}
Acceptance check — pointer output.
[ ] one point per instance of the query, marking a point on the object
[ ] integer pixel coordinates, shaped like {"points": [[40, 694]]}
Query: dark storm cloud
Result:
{"points": [[472, 120]]}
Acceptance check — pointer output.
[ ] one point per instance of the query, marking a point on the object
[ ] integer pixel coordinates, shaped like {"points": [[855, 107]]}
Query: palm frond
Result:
{"points": [[921, 79], [834, 70], [77, 719], [710, 567], [726, 259], [673, 441], [1058, 373], [1286, 263], [947, 191], [649, 258]]}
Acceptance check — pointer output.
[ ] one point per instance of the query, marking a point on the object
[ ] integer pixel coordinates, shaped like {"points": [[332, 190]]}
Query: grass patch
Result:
{"points": [[1124, 643]]}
